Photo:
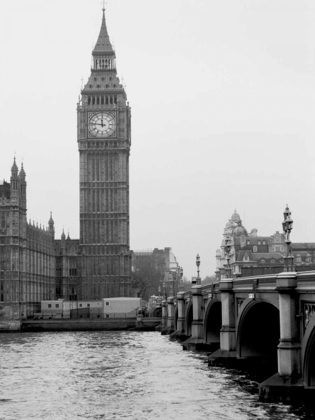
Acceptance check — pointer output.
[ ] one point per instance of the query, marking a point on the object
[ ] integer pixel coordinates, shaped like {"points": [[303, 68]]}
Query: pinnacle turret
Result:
{"points": [[14, 169], [22, 173]]}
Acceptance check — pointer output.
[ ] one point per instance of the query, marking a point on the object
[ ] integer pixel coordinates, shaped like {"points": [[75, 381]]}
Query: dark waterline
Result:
{"points": [[122, 375]]}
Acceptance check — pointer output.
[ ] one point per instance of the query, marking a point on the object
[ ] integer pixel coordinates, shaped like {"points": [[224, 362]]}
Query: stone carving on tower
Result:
{"points": [[104, 140]]}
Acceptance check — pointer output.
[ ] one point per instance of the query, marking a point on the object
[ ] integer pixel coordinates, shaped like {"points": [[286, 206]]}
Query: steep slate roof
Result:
{"points": [[241, 255], [103, 44], [254, 239], [267, 255]]}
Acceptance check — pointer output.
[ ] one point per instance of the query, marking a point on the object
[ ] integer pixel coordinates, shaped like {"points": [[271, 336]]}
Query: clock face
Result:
{"points": [[102, 124]]}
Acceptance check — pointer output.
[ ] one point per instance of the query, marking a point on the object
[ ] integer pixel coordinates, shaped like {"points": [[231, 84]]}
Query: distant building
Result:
{"points": [[252, 254]]}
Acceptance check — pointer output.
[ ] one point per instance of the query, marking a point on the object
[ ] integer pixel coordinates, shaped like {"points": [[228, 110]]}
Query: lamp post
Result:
{"points": [[159, 299], [287, 225], [164, 290], [198, 280], [181, 282], [227, 250], [171, 280]]}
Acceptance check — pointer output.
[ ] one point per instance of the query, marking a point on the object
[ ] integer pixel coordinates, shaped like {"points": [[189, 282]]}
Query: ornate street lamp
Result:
{"points": [[198, 280], [287, 225], [227, 250], [171, 280], [181, 281], [164, 290]]}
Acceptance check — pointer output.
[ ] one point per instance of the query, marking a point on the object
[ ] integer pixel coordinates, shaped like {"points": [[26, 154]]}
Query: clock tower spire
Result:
{"points": [[104, 140]]}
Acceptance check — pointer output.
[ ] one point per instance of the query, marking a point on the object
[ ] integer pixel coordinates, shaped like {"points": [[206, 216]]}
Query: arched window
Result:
{"points": [[264, 242], [262, 261], [308, 258], [254, 248], [248, 242], [298, 259], [259, 242]]}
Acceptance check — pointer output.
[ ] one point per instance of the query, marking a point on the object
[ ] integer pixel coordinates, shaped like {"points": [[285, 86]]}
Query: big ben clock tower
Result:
{"points": [[104, 139]]}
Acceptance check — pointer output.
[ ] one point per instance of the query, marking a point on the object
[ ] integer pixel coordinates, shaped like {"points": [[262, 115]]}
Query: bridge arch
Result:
{"points": [[213, 322], [188, 319], [258, 331], [308, 354]]}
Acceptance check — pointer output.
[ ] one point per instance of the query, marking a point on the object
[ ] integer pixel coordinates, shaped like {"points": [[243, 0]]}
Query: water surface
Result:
{"points": [[121, 375]]}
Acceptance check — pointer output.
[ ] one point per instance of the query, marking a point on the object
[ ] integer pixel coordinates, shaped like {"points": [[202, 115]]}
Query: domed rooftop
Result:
{"points": [[236, 217], [240, 231]]}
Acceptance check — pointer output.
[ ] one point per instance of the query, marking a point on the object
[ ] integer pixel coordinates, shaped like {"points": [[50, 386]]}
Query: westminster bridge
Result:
{"points": [[265, 319]]}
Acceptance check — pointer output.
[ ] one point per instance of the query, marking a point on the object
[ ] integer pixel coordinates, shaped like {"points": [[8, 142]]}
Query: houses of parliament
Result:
{"points": [[34, 265]]}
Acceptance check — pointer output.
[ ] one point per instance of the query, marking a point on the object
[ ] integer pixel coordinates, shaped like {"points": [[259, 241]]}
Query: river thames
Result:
{"points": [[121, 375]]}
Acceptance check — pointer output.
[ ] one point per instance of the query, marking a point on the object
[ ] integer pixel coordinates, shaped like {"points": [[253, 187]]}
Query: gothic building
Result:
{"points": [[104, 139], [27, 252], [34, 266]]}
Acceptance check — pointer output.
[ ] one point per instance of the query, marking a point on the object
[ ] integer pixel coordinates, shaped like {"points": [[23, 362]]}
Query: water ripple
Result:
{"points": [[120, 375]]}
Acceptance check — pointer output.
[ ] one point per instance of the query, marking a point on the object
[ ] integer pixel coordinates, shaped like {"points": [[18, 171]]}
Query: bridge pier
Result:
{"points": [[169, 329], [164, 317], [179, 334], [287, 383], [227, 351], [196, 341]]}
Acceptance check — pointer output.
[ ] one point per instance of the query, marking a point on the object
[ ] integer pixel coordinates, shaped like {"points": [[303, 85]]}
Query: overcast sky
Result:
{"points": [[223, 113]]}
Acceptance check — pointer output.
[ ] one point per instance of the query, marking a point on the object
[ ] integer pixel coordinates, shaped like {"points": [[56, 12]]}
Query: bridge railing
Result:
{"points": [[306, 280]]}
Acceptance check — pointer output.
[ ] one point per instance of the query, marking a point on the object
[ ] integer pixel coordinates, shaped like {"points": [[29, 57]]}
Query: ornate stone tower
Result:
{"points": [[104, 139]]}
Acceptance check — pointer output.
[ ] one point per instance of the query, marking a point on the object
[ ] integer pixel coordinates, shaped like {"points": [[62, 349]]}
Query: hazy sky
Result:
{"points": [[223, 113]]}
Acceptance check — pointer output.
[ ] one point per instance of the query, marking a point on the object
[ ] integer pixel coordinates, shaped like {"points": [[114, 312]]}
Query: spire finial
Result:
{"points": [[104, 4]]}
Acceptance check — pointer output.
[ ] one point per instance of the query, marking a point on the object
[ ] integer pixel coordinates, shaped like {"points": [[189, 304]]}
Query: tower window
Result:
{"points": [[89, 100], [102, 101]]}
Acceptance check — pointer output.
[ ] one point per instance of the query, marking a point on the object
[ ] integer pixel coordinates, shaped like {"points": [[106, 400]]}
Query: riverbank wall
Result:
{"points": [[78, 325], [112, 324]]}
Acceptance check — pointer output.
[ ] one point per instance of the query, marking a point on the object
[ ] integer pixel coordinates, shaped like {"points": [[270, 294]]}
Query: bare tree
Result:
{"points": [[148, 274], [208, 280]]}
